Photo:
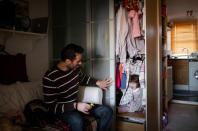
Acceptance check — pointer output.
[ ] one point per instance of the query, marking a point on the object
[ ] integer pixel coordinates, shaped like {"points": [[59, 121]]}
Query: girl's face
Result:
{"points": [[132, 85]]}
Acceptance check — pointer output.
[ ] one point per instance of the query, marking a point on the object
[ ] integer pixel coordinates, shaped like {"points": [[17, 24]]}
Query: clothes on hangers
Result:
{"points": [[142, 75], [129, 34], [136, 24], [121, 70], [140, 43], [144, 18], [131, 45], [131, 68], [125, 42], [121, 33], [118, 80], [123, 81]]}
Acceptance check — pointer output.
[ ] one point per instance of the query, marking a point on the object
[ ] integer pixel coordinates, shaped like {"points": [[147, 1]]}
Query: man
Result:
{"points": [[60, 88]]}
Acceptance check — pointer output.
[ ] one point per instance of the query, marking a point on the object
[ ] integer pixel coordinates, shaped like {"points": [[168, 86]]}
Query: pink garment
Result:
{"points": [[118, 81], [131, 45], [136, 24]]}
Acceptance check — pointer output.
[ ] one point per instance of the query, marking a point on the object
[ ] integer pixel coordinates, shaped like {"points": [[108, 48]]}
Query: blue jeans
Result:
{"points": [[102, 113]]}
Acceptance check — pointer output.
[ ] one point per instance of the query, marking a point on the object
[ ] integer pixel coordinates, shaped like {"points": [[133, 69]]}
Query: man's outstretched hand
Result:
{"points": [[103, 84]]}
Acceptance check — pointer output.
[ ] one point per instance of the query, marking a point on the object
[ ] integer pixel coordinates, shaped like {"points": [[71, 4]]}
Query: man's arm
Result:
{"points": [[87, 80]]}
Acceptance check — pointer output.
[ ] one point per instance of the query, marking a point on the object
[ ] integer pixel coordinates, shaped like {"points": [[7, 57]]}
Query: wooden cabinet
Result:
{"points": [[131, 121], [180, 71], [128, 126]]}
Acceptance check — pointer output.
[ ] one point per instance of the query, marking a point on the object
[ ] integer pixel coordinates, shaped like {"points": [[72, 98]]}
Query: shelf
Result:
{"points": [[133, 115], [5, 34], [23, 32]]}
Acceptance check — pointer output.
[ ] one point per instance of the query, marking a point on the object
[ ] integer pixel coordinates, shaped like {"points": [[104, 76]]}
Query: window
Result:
{"points": [[184, 35]]}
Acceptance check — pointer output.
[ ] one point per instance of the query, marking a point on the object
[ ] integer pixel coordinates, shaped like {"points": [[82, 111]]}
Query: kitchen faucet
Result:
{"points": [[187, 50]]}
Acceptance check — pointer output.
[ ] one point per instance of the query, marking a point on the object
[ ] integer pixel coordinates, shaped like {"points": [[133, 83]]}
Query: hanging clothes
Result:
{"points": [[136, 24], [118, 81], [121, 33], [121, 71], [144, 19], [140, 45], [129, 40], [132, 68], [142, 75], [125, 41], [131, 45], [123, 81]]}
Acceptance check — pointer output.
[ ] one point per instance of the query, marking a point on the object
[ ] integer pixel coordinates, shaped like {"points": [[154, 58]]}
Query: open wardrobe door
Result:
{"points": [[102, 46]]}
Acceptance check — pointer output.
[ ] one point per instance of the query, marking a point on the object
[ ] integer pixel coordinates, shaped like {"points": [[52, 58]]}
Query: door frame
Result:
{"points": [[154, 65]]}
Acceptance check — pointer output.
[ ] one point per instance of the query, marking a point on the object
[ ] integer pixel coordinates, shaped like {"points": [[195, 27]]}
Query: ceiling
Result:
{"points": [[176, 9]]}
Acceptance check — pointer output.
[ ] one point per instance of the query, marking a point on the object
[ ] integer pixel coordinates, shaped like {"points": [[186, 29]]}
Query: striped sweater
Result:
{"points": [[60, 88]]}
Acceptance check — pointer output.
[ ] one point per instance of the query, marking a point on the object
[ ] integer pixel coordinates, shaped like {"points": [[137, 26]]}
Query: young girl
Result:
{"points": [[133, 100]]}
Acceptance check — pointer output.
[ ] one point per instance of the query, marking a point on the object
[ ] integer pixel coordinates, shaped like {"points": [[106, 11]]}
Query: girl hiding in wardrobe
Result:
{"points": [[133, 96]]}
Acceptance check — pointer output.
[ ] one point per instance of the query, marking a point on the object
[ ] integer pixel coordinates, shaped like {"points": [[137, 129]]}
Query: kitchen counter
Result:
{"points": [[184, 73], [189, 59]]}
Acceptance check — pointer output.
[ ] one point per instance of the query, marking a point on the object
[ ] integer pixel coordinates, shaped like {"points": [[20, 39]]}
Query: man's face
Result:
{"points": [[76, 63]]}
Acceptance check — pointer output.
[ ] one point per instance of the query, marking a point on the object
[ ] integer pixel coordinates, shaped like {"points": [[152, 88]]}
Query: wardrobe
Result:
{"points": [[91, 24]]}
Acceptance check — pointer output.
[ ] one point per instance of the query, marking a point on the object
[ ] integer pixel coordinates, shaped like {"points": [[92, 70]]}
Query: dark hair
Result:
{"points": [[69, 52], [134, 78]]}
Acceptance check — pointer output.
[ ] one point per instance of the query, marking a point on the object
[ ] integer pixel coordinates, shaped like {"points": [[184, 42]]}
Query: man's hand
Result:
{"points": [[83, 107], [103, 84]]}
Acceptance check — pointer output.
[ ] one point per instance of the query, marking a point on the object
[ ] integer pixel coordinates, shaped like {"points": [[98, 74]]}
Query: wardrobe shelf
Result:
{"points": [[37, 35]]}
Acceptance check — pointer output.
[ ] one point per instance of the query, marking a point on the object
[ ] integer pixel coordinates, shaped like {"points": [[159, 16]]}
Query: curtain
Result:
{"points": [[184, 35]]}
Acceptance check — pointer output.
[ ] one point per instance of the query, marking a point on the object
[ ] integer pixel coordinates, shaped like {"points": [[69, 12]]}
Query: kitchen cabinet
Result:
{"points": [[180, 71]]}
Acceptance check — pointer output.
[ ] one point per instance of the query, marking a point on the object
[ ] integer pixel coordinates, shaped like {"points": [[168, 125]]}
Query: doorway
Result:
{"points": [[182, 63]]}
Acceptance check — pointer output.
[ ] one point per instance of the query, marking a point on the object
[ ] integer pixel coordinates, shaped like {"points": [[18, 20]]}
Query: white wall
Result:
{"points": [[36, 50], [176, 9], [36, 54]]}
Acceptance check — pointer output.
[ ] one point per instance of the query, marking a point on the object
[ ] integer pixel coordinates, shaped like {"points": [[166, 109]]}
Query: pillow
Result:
{"points": [[90, 95], [12, 69]]}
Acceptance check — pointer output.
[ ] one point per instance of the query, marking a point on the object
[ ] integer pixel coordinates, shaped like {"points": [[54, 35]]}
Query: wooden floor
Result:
{"points": [[182, 118]]}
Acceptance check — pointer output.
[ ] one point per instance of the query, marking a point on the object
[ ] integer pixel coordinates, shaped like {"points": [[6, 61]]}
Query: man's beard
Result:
{"points": [[77, 66], [73, 68]]}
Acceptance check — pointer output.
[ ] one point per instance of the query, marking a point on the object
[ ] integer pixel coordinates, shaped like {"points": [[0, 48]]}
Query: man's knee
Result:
{"points": [[74, 119], [106, 111]]}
